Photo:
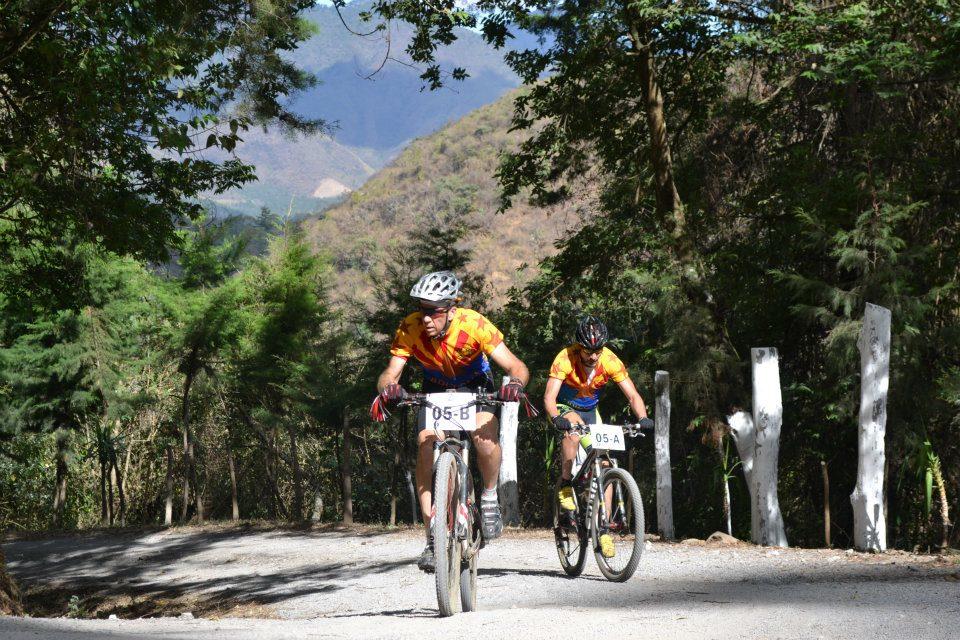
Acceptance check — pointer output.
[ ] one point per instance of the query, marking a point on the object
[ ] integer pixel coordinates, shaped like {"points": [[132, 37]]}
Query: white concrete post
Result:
{"points": [[767, 529], [509, 494], [869, 521], [661, 442], [744, 436]]}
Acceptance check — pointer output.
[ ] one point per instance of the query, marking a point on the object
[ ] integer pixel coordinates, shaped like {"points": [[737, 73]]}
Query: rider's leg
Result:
{"points": [[570, 445], [425, 445], [486, 441], [568, 453]]}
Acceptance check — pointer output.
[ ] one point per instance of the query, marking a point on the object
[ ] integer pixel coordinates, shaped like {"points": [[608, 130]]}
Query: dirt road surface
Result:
{"points": [[268, 583]]}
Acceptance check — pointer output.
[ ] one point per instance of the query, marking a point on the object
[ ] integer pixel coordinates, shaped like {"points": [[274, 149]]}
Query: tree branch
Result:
{"points": [[31, 32]]}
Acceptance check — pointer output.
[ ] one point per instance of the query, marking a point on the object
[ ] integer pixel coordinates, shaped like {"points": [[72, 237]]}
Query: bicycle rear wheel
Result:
{"points": [[624, 525], [468, 568], [446, 547], [570, 538], [468, 584]]}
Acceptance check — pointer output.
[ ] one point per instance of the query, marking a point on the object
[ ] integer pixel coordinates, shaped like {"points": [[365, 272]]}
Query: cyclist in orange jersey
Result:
{"points": [[451, 344], [578, 374]]}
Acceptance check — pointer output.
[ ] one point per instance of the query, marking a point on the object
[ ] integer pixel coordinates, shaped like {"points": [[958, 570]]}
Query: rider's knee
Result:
{"points": [[426, 439], [488, 428]]}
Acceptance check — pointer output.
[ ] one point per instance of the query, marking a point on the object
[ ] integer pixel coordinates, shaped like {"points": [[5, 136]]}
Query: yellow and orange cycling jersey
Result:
{"points": [[580, 388], [456, 359]]}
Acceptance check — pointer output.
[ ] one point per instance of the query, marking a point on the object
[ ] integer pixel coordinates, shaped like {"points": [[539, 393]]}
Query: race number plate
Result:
{"points": [[607, 436], [451, 412]]}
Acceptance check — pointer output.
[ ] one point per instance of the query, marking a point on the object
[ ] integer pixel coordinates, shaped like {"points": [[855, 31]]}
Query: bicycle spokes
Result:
{"points": [[618, 526]]}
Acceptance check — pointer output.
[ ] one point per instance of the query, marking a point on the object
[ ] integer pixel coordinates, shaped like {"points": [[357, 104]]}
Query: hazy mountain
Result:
{"points": [[448, 175], [376, 115]]}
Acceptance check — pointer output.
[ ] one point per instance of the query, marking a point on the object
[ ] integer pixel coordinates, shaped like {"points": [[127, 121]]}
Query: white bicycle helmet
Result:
{"points": [[439, 286]]}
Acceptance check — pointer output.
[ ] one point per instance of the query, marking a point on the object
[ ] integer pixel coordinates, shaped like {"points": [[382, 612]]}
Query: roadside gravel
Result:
{"points": [[273, 583]]}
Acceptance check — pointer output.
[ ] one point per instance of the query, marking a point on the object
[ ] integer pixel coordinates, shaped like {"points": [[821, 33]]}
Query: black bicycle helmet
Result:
{"points": [[592, 334]]}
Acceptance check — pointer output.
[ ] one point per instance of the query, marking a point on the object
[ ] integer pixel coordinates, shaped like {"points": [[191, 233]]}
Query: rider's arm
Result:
{"points": [[633, 397], [392, 373], [550, 402], [510, 363], [550, 397]]}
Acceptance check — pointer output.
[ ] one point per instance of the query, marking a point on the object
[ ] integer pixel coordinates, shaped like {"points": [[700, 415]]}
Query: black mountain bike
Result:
{"points": [[455, 524], [607, 504]]}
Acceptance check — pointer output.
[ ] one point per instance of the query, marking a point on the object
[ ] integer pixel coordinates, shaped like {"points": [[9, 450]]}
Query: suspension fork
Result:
{"points": [[461, 454], [619, 505], [463, 473], [597, 489]]}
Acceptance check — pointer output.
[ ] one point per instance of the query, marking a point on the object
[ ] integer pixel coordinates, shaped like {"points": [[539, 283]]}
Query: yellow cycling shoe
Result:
{"points": [[606, 546], [565, 495]]}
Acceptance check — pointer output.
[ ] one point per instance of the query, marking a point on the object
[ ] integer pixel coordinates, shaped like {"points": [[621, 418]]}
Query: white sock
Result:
{"points": [[489, 495]]}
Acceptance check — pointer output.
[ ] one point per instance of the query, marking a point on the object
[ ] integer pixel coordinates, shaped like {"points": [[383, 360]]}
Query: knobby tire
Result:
{"points": [[446, 548], [634, 507], [468, 568]]}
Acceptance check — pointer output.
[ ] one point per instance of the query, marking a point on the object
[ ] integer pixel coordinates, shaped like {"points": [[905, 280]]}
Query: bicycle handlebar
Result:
{"points": [[632, 429], [420, 399], [379, 412]]}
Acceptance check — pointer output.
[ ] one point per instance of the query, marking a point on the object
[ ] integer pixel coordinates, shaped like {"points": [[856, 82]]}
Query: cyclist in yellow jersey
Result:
{"points": [[578, 374], [451, 345]]}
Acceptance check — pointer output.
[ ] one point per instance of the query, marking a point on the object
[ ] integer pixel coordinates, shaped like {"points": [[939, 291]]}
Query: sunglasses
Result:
{"points": [[588, 352], [433, 312]]}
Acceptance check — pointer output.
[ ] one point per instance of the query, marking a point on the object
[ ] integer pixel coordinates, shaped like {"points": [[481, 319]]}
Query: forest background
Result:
{"points": [[727, 175]]}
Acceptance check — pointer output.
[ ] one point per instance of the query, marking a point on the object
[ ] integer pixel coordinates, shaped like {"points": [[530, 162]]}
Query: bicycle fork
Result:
{"points": [[619, 514], [462, 458], [595, 489]]}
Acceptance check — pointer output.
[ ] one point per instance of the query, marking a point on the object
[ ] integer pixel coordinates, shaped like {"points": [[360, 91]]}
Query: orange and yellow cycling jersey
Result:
{"points": [[459, 357], [580, 388]]}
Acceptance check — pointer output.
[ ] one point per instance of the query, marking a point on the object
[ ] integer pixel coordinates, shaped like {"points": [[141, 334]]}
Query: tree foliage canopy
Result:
{"points": [[110, 113], [765, 169]]}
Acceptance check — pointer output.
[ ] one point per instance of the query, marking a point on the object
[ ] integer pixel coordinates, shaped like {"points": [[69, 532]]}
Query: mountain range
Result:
{"points": [[446, 178], [375, 106]]}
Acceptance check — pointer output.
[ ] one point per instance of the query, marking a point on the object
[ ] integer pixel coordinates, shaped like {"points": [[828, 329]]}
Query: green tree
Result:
{"points": [[63, 369], [287, 348], [104, 107], [766, 168], [209, 310]]}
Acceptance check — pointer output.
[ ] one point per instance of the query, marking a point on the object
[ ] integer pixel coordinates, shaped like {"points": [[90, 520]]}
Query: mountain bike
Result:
{"points": [[455, 521], [607, 503]]}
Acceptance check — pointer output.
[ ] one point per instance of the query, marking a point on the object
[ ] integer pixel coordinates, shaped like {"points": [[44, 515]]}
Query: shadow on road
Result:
{"points": [[125, 576], [540, 573], [210, 573]]}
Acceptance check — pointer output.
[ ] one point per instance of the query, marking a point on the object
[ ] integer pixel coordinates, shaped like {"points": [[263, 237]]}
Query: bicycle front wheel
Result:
{"points": [[468, 583], [622, 521], [446, 547]]}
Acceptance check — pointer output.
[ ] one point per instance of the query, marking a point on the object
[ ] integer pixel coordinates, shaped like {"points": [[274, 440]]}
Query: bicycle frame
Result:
{"points": [[459, 446], [594, 464]]}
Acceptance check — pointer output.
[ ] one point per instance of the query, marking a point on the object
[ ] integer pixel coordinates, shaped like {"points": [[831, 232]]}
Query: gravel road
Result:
{"points": [[272, 583]]}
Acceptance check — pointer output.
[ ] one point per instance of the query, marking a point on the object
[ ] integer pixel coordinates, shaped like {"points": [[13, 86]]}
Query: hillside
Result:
{"points": [[447, 174], [374, 116]]}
